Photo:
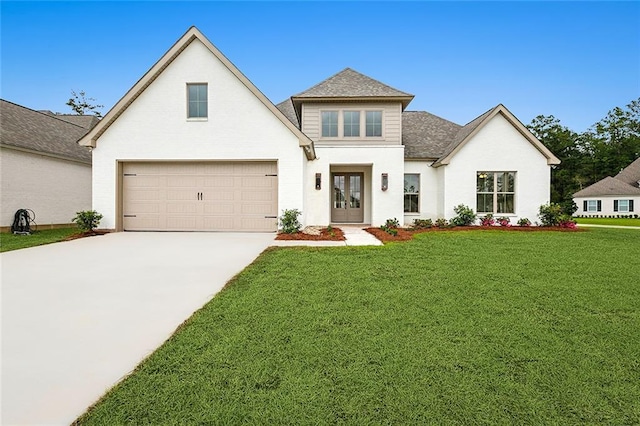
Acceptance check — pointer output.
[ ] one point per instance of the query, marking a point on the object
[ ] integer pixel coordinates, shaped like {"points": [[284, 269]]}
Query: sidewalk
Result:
{"points": [[588, 225], [354, 235]]}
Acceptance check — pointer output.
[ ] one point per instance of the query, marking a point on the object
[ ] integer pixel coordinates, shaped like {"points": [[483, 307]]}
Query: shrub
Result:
{"points": [[289, 223], [441, 223], [504, 221], [568, 207], [550, 214], [487, 220], [87, 220], [391, 226], [524, 222], [566, 221], [422, 223], [464, 216]]}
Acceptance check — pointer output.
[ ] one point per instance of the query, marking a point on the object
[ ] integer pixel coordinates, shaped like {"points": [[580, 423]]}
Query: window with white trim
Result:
{"points": [[592, 205], [411, 193], [623, 206], [329, 124], [197, 106], [495, 192]]}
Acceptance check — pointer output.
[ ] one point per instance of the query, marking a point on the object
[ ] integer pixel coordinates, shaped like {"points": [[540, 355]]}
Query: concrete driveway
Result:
{"points": [[77, 316]]}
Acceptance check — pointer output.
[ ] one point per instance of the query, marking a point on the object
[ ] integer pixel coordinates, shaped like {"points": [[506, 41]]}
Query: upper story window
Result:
{"points": [[197, 100], [351, 123], [495, 192], [329, 124], [374, 123]]}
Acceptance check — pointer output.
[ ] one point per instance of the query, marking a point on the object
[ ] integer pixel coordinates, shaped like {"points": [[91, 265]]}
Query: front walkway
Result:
{"points": [[355, 236]]}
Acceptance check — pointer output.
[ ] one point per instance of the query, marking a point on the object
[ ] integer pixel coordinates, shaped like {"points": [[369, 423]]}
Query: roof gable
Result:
{"points": [[468, 131], [26, 129], [425, 135], [91, 138], [631, 173]]}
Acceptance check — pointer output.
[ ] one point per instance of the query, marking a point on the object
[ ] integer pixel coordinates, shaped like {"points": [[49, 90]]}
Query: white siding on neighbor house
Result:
{"points": [[606, 203], [391, 122], [373, 160], [428, 194], [498, 146], [53, 188], [155, 127]]}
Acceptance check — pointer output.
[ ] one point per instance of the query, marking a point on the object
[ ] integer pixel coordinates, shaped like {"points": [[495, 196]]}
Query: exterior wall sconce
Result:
{"points": [[318, 180], [385, 181]]}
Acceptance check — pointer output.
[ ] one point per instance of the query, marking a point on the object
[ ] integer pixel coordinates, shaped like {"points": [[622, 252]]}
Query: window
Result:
{"points": [[624, 206], [329, 124], [374, 123], [411, 193], [197, 100], [351, 123], [495, 192], [592, 206]]}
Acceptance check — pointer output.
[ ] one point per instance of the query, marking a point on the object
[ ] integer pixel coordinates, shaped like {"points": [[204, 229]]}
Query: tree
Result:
{"points": [[81, 105]]}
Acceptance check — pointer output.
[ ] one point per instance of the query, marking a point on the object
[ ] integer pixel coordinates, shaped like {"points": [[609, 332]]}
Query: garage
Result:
{"points": [[200, 196]]}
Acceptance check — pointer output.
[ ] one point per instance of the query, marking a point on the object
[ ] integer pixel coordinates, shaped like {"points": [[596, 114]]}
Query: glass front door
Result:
{"points": [[347, 202]]}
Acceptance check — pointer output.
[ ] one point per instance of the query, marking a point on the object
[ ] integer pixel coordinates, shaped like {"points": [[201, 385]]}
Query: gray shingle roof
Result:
{"points": [[84, 121], [425, 135], [608, 186], [25, 128], [286, 107], [631, 173], [349, 83]]}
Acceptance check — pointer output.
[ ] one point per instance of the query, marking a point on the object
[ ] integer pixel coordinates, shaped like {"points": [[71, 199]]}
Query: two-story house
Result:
{"points": [[194, 145]]}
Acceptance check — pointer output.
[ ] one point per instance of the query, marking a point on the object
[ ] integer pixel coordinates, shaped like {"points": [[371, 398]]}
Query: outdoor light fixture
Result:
{"points": [[318, 180], [385, 181]]}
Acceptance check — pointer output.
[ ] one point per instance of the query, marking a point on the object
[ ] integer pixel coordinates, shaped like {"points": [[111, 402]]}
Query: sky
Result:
{"points": [[573, 60]]}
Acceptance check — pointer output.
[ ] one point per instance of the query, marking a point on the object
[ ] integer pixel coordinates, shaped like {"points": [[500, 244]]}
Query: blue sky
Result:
{"points": [[574, 60]]}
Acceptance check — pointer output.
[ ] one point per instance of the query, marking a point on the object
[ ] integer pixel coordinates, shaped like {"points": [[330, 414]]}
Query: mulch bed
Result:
{"points": [[86, 234], [407, 234], [335, 235]]}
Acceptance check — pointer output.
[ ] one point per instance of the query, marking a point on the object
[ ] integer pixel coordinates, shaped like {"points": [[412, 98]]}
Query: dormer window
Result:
{"points": [[374, 123], [329, 124]]}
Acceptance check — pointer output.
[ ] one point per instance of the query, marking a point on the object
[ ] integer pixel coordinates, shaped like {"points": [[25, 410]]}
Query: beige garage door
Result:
{"points": [[202, 196]]}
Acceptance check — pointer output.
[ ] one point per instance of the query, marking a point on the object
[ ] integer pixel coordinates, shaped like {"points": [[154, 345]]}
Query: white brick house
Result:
{"points": [[194, 145]]}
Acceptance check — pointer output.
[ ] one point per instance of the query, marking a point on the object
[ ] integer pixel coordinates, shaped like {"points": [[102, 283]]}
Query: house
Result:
{"points": [[43, 168], [194, 145], [611, 196]]}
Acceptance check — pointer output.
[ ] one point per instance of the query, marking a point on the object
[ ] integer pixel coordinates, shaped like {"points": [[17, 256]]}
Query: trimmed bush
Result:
{"points": [[487, 220], [289, 223], [87, 220], [464, 216], [550, 214]]}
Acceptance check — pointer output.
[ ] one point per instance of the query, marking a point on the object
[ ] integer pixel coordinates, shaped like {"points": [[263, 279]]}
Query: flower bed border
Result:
{"points": [[324, 236]]}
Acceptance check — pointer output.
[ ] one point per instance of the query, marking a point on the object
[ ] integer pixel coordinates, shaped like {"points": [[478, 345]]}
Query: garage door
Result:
{"points": [[202, 196]]}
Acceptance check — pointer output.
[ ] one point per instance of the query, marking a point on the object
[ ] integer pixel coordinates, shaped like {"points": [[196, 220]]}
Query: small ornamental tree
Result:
{"points": [[87, 220]]}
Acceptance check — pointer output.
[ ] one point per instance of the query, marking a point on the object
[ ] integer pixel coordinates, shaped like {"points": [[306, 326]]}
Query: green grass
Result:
{"points": [[608, 221], [451, 328], [10, 241]]}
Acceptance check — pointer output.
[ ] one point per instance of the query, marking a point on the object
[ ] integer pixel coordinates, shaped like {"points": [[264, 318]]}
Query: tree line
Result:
{"points": [[603, 150]]}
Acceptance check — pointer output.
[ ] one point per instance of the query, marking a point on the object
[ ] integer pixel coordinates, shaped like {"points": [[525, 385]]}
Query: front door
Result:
{"points": [[347, 202]]}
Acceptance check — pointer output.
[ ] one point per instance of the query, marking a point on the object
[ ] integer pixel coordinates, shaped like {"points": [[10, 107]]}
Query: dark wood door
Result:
{"points": [[347, 201]]}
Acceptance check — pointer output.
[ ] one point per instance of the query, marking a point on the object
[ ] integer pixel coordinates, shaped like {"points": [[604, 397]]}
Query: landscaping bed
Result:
{"points": [[406, 234], [92, 233], [314, 234]]}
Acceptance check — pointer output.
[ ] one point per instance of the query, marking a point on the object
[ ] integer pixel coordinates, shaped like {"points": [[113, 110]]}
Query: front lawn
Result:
{"points": [[9, 241], [607, 221], [450, 328]]}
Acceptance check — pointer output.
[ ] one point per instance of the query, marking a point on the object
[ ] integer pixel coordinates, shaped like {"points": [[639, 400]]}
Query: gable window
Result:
{"points": [[351, 123], [592, 206], [623, 206], [374, 123], [411, 193], [329, 124], [495, 192], [197, 100]]}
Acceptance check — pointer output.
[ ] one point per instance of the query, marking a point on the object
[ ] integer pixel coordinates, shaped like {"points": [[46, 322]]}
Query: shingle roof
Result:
{"points": [[631, 173], [286, 107], [608, 186], [425, 135], [25, 128], [84, 121], [349, 83]]}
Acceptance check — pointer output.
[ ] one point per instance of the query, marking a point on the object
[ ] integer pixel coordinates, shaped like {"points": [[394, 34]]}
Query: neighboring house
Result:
{"points": [[612, 196], [194, 145], [43, 167]]}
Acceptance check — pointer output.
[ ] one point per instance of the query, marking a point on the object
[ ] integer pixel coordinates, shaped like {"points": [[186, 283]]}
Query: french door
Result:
{"points": [[347, 201]]}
